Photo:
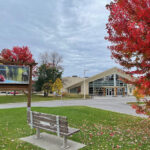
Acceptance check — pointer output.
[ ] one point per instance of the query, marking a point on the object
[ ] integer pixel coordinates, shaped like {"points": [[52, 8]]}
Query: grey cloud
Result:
{"points": [[73, 28]]}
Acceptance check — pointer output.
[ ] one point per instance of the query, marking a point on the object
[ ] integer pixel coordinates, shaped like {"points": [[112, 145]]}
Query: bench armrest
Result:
{"points": [[71, 131]]}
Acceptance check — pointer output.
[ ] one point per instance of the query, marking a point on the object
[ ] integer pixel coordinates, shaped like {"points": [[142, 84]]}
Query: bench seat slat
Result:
{"points": [[50, 130], [48, 116], [53, 128], [62, 123], [53, 117], [43, 122]]}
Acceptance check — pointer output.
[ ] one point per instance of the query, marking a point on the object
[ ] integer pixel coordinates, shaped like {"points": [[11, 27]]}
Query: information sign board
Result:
{"points": [[14, 74]]}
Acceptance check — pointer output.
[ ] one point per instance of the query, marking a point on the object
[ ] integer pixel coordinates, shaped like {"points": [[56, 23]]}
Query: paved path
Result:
{"points": [[116, 104]]}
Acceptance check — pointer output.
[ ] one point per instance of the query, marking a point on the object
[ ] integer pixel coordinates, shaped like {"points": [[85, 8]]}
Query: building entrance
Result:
{"points": [[109, 91]]}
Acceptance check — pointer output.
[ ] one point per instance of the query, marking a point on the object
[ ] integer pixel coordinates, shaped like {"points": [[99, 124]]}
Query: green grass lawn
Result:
{"points": [[23, 98], [100, 130]]}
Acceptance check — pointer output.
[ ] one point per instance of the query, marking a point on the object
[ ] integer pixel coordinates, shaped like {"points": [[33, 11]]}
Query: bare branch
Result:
{"points": [[52, 58]]}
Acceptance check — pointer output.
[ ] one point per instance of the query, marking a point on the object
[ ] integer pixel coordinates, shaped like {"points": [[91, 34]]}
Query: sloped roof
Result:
{"points": [[69, 81], [109, 72], [116, 70]]}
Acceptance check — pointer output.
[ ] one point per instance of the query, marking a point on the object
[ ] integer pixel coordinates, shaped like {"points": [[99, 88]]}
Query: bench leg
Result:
{"points": [[37, 133], [65, 146]]}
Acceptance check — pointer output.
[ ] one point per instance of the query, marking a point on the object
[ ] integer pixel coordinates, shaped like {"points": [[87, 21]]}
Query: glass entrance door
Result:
{"points": [[109, 91]]}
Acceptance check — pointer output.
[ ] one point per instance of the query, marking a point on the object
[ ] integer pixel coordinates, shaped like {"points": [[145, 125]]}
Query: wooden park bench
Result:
{"points": [[52, 123]]}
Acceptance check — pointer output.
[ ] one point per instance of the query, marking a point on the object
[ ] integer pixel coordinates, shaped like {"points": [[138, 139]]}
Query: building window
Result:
{"points": [[100, 86], [76, 90]]}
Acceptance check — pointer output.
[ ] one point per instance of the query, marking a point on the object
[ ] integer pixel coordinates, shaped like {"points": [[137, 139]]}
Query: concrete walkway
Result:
{"points": [[115, 104], [52, 142]]}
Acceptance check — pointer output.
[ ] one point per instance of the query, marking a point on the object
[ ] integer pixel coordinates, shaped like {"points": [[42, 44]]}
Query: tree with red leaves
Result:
{"points": [[17, 54], [20, 55], [128, 28]]}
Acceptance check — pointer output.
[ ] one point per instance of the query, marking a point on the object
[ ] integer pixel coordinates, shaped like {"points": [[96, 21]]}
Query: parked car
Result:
{"points": [[14, 92]]}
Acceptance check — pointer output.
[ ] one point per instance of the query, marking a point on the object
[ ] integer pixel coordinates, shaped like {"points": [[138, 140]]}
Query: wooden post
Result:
{"points": [[29, 90], [115, 91], [104, 92], [123, 91]]}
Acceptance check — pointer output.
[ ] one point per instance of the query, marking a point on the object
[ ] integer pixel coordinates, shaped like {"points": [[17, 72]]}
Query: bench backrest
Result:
{"points": [[53, 123]]}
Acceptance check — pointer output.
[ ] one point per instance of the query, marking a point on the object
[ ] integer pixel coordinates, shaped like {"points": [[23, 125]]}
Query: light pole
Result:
{"points": [[84, 82]]}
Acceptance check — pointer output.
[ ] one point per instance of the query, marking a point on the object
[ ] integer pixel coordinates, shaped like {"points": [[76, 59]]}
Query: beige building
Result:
{"points": [[107, 83], [69, 81]]}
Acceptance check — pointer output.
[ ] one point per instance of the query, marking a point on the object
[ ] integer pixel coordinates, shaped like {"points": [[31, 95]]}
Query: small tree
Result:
{"points": [[57, 86], [46, 74], [46, 88]]}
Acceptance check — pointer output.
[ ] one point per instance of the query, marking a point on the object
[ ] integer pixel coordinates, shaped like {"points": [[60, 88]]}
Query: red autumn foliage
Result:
{"points": [[111, 134], [140, 109], [128, 30], [17, 54], [2, 79], [91, 135]]}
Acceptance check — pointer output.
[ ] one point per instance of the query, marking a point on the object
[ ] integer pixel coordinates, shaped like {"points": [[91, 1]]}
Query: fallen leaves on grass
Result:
{"points": [[132, 135]]}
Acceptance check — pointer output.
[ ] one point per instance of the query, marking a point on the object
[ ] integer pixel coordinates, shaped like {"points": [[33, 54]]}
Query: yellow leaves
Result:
{"points": [[53, 87], [137, 93], [57, 86]]}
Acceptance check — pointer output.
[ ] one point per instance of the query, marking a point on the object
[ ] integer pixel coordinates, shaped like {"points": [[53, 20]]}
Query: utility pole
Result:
{"points": [[84, 82]]}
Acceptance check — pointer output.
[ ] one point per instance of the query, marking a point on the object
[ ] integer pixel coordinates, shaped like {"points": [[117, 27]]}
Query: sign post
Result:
{"points": [[29, 90]]}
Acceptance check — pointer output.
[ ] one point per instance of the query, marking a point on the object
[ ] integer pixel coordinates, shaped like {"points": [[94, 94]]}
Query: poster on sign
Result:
{"points": [[11, 74]]}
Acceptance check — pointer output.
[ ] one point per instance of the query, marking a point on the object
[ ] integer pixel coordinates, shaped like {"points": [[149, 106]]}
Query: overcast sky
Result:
{"points": [[73, 28]]}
